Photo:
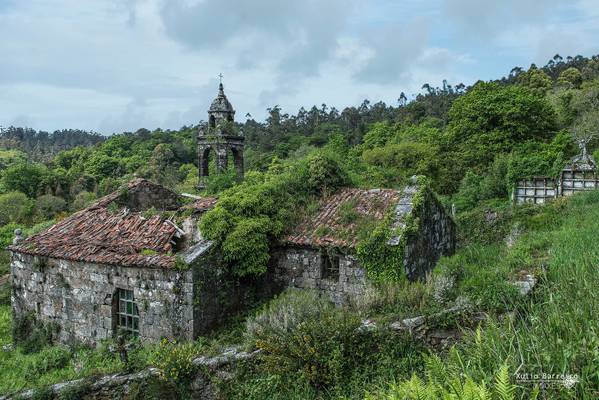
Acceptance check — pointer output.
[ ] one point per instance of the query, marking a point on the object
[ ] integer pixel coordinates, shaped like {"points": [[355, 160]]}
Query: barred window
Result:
{"points": [[330, 266], [128, 313]]}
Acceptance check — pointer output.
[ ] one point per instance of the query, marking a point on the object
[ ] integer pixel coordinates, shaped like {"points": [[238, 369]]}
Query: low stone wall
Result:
{"points": [[79, 297], [117, 386]]}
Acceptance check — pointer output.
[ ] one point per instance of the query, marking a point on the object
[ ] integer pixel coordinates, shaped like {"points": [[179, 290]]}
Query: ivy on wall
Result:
{"points": [[384, 262]]}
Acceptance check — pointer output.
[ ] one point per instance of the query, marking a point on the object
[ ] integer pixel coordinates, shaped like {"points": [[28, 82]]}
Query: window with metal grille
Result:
{"points": [[128, 313], [330, 266]]}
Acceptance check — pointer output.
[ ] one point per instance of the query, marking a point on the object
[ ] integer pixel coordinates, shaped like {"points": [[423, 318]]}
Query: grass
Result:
{"points": [[557, 331], [54, 364]]}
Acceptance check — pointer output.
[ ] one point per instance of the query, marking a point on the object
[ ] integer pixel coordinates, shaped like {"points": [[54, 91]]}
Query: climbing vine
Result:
{"points": [[249, 217], [384, 262]]}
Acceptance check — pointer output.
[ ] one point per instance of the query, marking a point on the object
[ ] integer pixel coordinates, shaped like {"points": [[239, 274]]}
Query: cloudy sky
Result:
{"points": [[116, 65]]}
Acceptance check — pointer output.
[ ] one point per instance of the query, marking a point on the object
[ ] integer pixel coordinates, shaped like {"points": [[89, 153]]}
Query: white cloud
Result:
{"points": [[114, 65]]}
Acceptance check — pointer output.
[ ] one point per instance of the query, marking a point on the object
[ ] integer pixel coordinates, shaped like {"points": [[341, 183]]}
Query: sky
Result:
{"points": [[110, 66]]}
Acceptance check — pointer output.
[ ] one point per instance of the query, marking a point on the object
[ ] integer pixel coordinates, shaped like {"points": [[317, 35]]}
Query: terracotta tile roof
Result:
{"points": [[204, 204], [99, 235], [327, 227]]}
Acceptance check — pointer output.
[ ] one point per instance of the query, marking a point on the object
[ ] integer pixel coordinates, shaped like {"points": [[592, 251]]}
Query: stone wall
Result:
{"points": [[218, 294], [79, 297], [303, 268], [435, 238]]}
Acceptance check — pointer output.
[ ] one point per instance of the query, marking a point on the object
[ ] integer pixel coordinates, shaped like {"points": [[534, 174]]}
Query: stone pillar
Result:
{"points": [[238, 162], [222, 159]]}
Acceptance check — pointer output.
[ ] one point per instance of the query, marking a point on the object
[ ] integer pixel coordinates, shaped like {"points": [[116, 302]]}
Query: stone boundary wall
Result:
{"points": [[78, 297]]}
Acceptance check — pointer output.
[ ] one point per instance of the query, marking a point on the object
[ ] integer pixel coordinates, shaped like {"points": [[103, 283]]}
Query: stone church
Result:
{"points": [[135, 263]]}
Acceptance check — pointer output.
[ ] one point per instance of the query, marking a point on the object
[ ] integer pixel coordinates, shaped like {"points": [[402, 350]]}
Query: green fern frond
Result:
{"points": [[503, 388]]}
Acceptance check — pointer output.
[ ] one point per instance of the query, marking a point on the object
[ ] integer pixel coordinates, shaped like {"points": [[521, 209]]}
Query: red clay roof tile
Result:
{"points": [[328, 229]]}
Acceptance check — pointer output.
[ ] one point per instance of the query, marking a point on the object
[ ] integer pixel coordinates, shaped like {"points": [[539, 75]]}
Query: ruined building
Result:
{"points": [[134, 262], [320, 253]]}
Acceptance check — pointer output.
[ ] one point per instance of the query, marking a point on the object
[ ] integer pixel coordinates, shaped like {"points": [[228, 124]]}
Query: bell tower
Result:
{"points": [[221, 137]]}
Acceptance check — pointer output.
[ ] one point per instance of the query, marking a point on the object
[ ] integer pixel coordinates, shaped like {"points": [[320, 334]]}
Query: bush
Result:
{"points": [[82, 200], [50, 358], [175, 361], [303, 334], [284, 314], [32, 335], [250, 216], [401, 299]]}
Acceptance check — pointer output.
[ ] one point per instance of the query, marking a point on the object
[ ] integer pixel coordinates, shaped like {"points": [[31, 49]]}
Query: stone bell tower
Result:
{"points": [[221, 137]]}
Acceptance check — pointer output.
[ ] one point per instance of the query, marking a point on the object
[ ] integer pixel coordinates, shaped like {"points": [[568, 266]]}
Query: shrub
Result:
{"points": [[283, 314], [250, 216], [395, 299], [302, 333], [175, 361], [82, 200], [32, 335]]}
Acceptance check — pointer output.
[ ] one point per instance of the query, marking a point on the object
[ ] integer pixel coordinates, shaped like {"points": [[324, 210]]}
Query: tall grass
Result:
{"points": [[557, 330]]}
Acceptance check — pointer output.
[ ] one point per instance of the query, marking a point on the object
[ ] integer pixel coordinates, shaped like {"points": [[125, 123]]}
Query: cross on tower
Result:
{"points": [[220, 77]]}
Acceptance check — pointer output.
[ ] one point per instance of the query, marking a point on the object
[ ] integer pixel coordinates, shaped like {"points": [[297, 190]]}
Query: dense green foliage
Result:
{"points": [[249, 216]]}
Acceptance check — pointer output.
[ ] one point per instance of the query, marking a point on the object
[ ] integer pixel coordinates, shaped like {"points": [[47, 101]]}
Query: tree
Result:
{"points": [[15, 207], [570, 78], [48, 206], [491, 119], [82, 200], [585, 129], [536, 80], [26, 178], [101, 166]]}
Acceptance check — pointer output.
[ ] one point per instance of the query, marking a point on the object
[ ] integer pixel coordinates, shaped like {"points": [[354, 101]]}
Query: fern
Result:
{"points": [[503, 388], [440, 385]]}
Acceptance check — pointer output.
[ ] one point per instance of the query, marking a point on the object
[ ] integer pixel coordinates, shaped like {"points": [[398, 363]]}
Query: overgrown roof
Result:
{"points": [[115, 231], [335, 224]]}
